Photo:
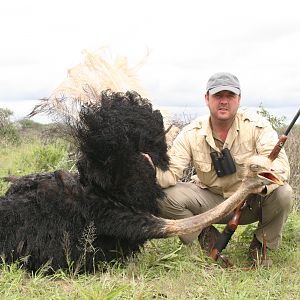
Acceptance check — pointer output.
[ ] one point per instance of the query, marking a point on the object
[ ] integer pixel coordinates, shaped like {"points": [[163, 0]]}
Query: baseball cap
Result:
{"points": [[223, 81]]}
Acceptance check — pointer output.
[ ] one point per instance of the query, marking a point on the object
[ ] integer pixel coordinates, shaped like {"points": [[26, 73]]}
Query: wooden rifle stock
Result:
{"points": [[230, 228], [273, 155]]}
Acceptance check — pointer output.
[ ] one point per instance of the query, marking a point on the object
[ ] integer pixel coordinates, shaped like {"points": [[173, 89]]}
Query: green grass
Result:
{"points": [[33, 156], [164, 269]]}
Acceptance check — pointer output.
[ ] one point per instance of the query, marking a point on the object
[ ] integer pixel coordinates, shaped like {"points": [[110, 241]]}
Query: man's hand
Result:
{"points": [[148, 158]]}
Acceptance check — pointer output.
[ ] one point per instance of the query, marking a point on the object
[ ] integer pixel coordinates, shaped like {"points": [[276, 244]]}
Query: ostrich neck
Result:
{"points": [[199, 222]]}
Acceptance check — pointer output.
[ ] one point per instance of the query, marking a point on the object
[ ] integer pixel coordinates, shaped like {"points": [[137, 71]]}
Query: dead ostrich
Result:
{"points": [[110, 209]]}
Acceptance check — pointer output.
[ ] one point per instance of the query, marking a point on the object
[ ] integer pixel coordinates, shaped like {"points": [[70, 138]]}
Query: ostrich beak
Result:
{"points": [[270, 177]]}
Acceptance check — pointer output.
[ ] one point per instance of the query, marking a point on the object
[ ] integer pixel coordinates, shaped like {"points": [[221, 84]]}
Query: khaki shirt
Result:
{"points": [[250, 134]]}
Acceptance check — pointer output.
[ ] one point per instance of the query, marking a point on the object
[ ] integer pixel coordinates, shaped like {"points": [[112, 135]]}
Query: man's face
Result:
{"points": [[223, 105]]}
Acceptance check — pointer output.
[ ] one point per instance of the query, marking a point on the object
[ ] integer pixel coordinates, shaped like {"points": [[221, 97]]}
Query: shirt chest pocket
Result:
{"points": [[243, 149], [203, 166], [241, 152], [202, 162]]}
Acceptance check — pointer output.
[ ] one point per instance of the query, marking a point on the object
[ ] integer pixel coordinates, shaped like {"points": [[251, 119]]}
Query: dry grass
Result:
{"points": [[292, 148]]}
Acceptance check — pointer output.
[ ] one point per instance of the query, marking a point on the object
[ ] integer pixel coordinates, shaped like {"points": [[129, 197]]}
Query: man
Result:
{"points": [[244, 135]]}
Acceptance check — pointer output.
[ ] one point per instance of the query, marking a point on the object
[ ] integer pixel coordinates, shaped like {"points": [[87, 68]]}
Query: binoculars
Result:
{"points": [[223, 162]]}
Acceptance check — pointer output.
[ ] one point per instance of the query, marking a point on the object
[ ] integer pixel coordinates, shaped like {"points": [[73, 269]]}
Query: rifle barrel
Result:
{"points": [[292, 123]]}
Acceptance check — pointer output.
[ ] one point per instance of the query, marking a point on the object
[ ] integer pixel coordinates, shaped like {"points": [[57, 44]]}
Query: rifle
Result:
{"points": [[231, 226]]}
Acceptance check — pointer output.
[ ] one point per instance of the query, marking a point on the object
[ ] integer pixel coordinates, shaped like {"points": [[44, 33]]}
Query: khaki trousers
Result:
{"points": [[187, 199]]}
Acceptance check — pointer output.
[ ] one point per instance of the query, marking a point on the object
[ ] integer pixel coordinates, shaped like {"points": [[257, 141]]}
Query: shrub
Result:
{"points": [[9, 135], [276, 122], [45, 158], [8, 132], [292, 147], [27, 123]]}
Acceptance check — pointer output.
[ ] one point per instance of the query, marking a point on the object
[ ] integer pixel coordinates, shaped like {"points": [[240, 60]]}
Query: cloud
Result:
{"points": [[188, 41]]}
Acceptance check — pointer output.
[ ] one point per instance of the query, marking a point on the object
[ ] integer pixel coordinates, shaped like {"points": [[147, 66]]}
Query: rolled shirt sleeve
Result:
{"points": [[180, 157]]}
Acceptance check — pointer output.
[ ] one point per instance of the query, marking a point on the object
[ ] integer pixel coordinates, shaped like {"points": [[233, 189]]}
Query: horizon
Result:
{"points": [[182, 113]]}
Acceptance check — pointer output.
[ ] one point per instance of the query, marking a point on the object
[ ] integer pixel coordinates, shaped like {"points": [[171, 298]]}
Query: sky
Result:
{"points": [[186, 41]]}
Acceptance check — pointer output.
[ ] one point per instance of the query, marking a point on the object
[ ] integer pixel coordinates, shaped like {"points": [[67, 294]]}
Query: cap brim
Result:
{"points": [[218, 89]]}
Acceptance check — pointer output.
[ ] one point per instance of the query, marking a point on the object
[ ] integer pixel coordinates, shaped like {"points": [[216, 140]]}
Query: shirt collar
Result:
{"points": [[232, 134]]}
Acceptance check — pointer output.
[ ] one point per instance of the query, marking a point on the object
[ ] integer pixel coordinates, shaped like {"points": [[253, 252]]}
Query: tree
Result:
{"points": [[5, 115], [8, 132], [276, 122]]}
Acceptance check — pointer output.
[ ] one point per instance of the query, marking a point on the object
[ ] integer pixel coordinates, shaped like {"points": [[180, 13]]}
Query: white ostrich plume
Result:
{"points": [[99, 71]]}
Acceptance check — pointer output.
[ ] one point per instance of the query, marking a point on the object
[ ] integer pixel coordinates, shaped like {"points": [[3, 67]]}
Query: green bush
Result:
{"points": [[28, 123], [9, 135], [276, 122], [33, 157], [45, 158], [8, 132]]}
